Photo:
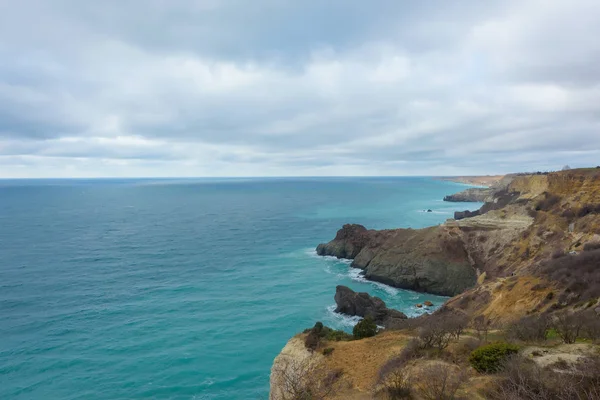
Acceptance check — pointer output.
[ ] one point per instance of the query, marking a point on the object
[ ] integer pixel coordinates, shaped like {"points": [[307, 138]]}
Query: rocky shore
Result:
{"points": [[364, 305], [531, 251]]}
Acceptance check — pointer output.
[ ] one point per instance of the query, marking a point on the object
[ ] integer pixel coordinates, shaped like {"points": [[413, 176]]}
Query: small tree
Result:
{"points": [[364, 328], [397, 383], [482, 326], [437, 331], [533, 328], [441, 382], [568, 325]]}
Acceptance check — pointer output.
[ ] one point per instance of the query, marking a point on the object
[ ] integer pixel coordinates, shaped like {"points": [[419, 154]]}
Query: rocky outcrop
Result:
{"points": [[432, 260], [364, 305], [351, 240], [478, 195], [458, 215], [348, 242]]}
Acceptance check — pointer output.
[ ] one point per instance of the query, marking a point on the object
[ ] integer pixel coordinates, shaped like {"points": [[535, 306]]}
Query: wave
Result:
{"points": [[356, 275], [313, 253], [341, 320]]}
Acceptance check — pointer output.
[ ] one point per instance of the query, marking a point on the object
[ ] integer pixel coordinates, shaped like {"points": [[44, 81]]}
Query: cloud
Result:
{"points": [[221, 88]]}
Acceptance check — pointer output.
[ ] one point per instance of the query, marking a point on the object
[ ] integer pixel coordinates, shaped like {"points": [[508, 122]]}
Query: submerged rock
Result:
{"points": [[364, 305]]}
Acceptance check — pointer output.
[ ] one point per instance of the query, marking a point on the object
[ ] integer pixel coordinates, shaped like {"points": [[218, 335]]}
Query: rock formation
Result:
{"points": [[364, 305], [471, 195], [432, 260]]}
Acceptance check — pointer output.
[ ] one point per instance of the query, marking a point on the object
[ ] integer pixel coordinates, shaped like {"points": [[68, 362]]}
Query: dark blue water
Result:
{"points": [[166, 289]]}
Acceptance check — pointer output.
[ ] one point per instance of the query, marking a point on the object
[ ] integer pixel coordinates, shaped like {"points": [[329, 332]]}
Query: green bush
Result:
{"points": [[336, 335], [328, 351], [364, 329], [489, 358]]}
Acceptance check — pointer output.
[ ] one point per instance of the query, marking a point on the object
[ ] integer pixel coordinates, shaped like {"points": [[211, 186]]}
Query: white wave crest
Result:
{"points": [[341, 320], [356, 275]]}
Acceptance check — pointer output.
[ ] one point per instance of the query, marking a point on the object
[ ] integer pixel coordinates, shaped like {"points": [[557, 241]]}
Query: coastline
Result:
{"points": [[485, 181]]}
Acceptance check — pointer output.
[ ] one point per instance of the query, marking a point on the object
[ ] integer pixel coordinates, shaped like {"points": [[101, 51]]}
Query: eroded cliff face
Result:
{"points": [[528, 219], [537, 250]]}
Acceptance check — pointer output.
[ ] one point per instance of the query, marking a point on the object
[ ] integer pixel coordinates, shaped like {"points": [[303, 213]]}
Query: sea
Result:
{"points": [[182, 288]]}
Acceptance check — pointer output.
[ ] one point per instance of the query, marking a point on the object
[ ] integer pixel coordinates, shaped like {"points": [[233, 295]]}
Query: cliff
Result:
{"points": [[532, 251], [447, 259], [477, 195]]}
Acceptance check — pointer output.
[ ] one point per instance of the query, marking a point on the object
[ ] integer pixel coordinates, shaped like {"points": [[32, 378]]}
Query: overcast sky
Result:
{"points": [[313, 87]]}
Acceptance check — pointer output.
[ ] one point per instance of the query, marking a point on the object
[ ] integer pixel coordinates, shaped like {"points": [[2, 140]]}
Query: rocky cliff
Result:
{"points": [[477, 195], [527, 217], [432, 260], [533, 249]]}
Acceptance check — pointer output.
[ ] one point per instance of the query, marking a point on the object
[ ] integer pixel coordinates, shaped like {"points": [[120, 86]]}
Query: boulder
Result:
{"points": [[428, 303], [419, 305], [364, 305]]}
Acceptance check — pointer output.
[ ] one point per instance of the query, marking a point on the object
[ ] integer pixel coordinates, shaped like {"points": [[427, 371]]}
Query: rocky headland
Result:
{"points": [[525, 264], [475, 195]]}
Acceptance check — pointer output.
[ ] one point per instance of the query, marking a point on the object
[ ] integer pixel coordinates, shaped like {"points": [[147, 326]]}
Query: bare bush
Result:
{"points": [[523, 379], [533, 328], [579, 274], [591, 246], [436, 333], [568, 325], [549, 201], [441, 382], [305, 380], [398, 384], [482, 327]]}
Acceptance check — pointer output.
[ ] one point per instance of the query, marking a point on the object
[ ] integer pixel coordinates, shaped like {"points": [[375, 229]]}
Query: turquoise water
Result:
{"points": [[166, 289]]}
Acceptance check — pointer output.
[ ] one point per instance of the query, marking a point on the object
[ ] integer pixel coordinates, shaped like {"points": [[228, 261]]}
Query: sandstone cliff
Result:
{"points": [[533, 250]]}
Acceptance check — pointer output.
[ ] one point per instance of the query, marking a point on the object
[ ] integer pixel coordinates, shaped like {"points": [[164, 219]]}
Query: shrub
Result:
{"points": [[311, 342], [397, 381], [578, 272], [482, 326], [588, 209], [523, 379], [549, 201], [337, 335], [436, 332], [558, 254], [568, 326], [531, 328], [441, 382], [304, 380], [364, 329], [489, 358], [328, 351], [591, 246]]}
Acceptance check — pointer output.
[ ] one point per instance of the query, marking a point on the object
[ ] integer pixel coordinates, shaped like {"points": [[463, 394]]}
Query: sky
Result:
{"points": [[160, 88]]}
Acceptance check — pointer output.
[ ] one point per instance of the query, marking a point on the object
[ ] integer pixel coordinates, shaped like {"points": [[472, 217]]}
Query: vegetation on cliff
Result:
{"points": [[534, 292]]}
